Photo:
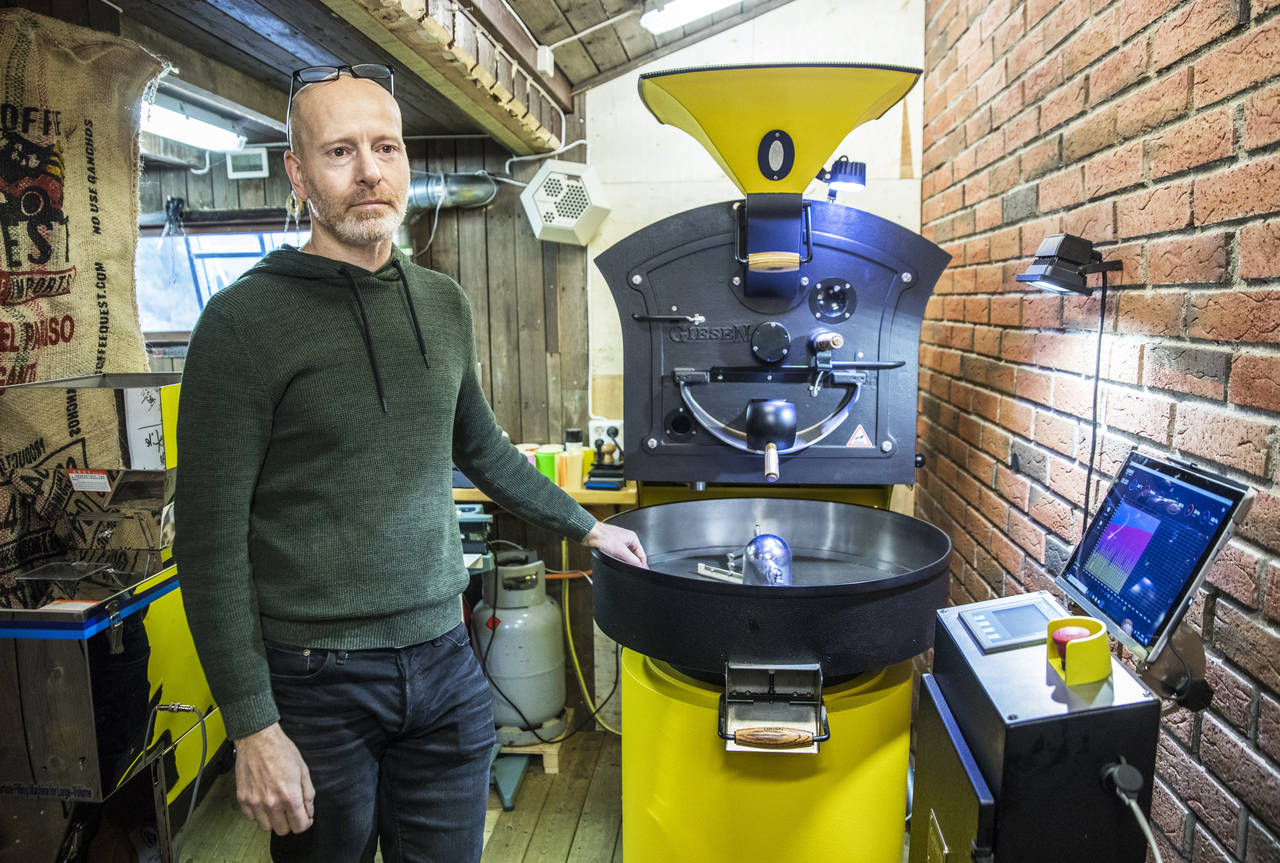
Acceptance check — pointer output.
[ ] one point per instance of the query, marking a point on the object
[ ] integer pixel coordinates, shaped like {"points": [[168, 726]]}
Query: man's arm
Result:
{"points": [[224, 425], [505, 475]]}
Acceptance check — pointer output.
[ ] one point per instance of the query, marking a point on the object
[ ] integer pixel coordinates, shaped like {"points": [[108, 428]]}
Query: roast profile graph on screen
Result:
{"points": [[1121, 547]]}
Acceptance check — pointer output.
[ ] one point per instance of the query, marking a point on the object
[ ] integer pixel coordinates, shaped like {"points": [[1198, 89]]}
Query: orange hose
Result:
{"points": [[573, 573]]}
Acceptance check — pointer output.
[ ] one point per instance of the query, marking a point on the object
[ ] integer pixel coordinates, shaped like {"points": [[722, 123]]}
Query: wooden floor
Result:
{"points": [[574, 815]]}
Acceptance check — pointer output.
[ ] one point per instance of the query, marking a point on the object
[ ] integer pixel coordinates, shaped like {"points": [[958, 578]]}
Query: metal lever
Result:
{"points": [[690, 319], [771, 425], [771, 468]]}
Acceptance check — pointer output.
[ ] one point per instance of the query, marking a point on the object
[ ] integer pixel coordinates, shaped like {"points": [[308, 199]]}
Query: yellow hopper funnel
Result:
{"points": [[771, 128]]}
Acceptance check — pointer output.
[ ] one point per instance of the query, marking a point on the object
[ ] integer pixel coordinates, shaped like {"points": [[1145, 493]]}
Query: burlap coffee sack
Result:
{"points": [[70, 100]]}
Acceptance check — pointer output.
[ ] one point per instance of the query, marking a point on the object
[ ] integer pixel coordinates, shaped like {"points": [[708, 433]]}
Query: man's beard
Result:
{"points": [[359, 228]]}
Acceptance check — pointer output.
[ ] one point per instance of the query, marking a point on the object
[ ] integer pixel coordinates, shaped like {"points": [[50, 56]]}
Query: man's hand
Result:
{"points": [[273, 785], [617, 542]]}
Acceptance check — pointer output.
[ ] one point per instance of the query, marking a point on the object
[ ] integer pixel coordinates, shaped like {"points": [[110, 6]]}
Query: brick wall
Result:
{"points": [[1151, 127]]}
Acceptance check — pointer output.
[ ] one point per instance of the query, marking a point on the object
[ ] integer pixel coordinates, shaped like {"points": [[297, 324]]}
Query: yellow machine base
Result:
{"points": [[685, 799]]}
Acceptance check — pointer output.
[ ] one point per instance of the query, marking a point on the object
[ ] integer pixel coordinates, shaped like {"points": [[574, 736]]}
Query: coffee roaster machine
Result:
{"points": [[770, 386], [771, 380], [105, 702]]}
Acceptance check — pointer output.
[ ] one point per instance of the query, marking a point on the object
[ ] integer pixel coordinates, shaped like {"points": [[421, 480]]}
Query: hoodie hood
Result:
{"points": [[291, 262]]}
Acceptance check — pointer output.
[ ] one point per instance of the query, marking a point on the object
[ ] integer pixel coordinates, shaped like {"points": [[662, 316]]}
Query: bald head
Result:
{"points": [[331, 108], [347, 162]]}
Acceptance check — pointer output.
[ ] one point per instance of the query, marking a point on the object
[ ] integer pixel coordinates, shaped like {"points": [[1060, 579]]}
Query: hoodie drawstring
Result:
{"points": [[413, 312], [368, 339]]}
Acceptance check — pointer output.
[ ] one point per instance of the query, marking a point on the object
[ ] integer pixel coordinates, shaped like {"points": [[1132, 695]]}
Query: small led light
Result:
{"points": [[844, 176]]}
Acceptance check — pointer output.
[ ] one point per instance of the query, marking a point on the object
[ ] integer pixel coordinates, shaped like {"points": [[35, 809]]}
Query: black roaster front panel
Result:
{"points": [[868, 281]]}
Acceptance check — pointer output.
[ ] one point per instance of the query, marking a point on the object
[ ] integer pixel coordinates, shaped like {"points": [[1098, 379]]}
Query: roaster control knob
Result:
{"points": [[770, 342]]}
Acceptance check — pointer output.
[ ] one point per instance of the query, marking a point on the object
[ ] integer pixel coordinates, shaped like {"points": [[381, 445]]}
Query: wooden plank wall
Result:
{"points": [[528, 298], [214, 190], [529, 305]]}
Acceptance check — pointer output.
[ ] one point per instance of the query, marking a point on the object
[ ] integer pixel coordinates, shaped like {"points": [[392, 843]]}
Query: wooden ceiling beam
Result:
{"points": [[494, 16], [457, 65]]}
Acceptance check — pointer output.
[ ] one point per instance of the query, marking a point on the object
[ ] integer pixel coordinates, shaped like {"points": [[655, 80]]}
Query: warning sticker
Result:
{"points": [[89, 480], [860, 438]]}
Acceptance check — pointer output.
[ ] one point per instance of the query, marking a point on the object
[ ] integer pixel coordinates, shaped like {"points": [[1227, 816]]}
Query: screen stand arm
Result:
{"points": [[1178, 672]]}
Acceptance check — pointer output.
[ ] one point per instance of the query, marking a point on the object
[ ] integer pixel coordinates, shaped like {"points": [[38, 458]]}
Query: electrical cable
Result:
{"points": [[1126, 781], [594, 27], [520, 21], [207, 165], [1093, 439], [1143, 824], [195, 786], [435, 218], [146, 738], [507, 180], [581, 141]]}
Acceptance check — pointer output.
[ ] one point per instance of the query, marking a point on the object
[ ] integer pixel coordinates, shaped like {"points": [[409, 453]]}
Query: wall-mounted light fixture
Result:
{"points": [[677, 13], [1063, 264], [844, 176], [177, 126]]}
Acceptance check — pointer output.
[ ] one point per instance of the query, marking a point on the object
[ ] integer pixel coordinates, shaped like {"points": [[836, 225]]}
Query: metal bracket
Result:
{"points": [[115, 629], [773, 708], [740, 236], [821, 366]]}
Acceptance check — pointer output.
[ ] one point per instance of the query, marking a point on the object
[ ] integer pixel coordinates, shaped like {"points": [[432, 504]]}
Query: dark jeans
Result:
{"points": [[397, 741]]}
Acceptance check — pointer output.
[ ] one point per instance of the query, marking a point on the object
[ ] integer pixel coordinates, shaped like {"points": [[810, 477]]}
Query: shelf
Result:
{"points": [[626, 496]]}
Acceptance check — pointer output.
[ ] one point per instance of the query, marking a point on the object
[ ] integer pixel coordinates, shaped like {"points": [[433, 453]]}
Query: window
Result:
{"points": [[176, 274]]}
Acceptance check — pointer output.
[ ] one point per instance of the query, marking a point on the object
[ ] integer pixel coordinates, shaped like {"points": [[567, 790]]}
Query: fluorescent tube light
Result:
{"points": [[677, 13], [176, 126]]}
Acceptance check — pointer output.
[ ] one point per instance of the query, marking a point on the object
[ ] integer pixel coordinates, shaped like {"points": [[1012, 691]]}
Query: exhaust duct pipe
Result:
{"points": [[476, 189]]}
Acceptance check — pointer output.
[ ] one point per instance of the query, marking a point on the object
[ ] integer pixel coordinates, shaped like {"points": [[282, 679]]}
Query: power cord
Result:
{"points": [[1093, 438], [146, 741], [1126, 781], [174, 707]]}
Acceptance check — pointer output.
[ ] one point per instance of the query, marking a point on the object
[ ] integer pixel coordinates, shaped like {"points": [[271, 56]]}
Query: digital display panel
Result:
{"points": [[1148, 542], [1021, 620]]}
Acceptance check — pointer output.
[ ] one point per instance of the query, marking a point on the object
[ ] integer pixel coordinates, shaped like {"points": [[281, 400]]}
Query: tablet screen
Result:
{"points": [[1148, 543]]}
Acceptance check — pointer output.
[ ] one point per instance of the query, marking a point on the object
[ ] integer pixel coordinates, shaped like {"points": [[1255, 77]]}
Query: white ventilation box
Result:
{"points": [[564, 202]]}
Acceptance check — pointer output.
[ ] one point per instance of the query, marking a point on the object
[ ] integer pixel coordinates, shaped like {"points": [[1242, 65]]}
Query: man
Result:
{"points": [[326, 394]]}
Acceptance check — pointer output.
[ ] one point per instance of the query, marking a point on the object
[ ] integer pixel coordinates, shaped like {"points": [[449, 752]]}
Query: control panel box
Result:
{"points": [[1010, 759]]}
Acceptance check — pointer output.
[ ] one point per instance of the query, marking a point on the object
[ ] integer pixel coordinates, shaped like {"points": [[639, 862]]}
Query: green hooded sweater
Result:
{"points": [[321, 412]]}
